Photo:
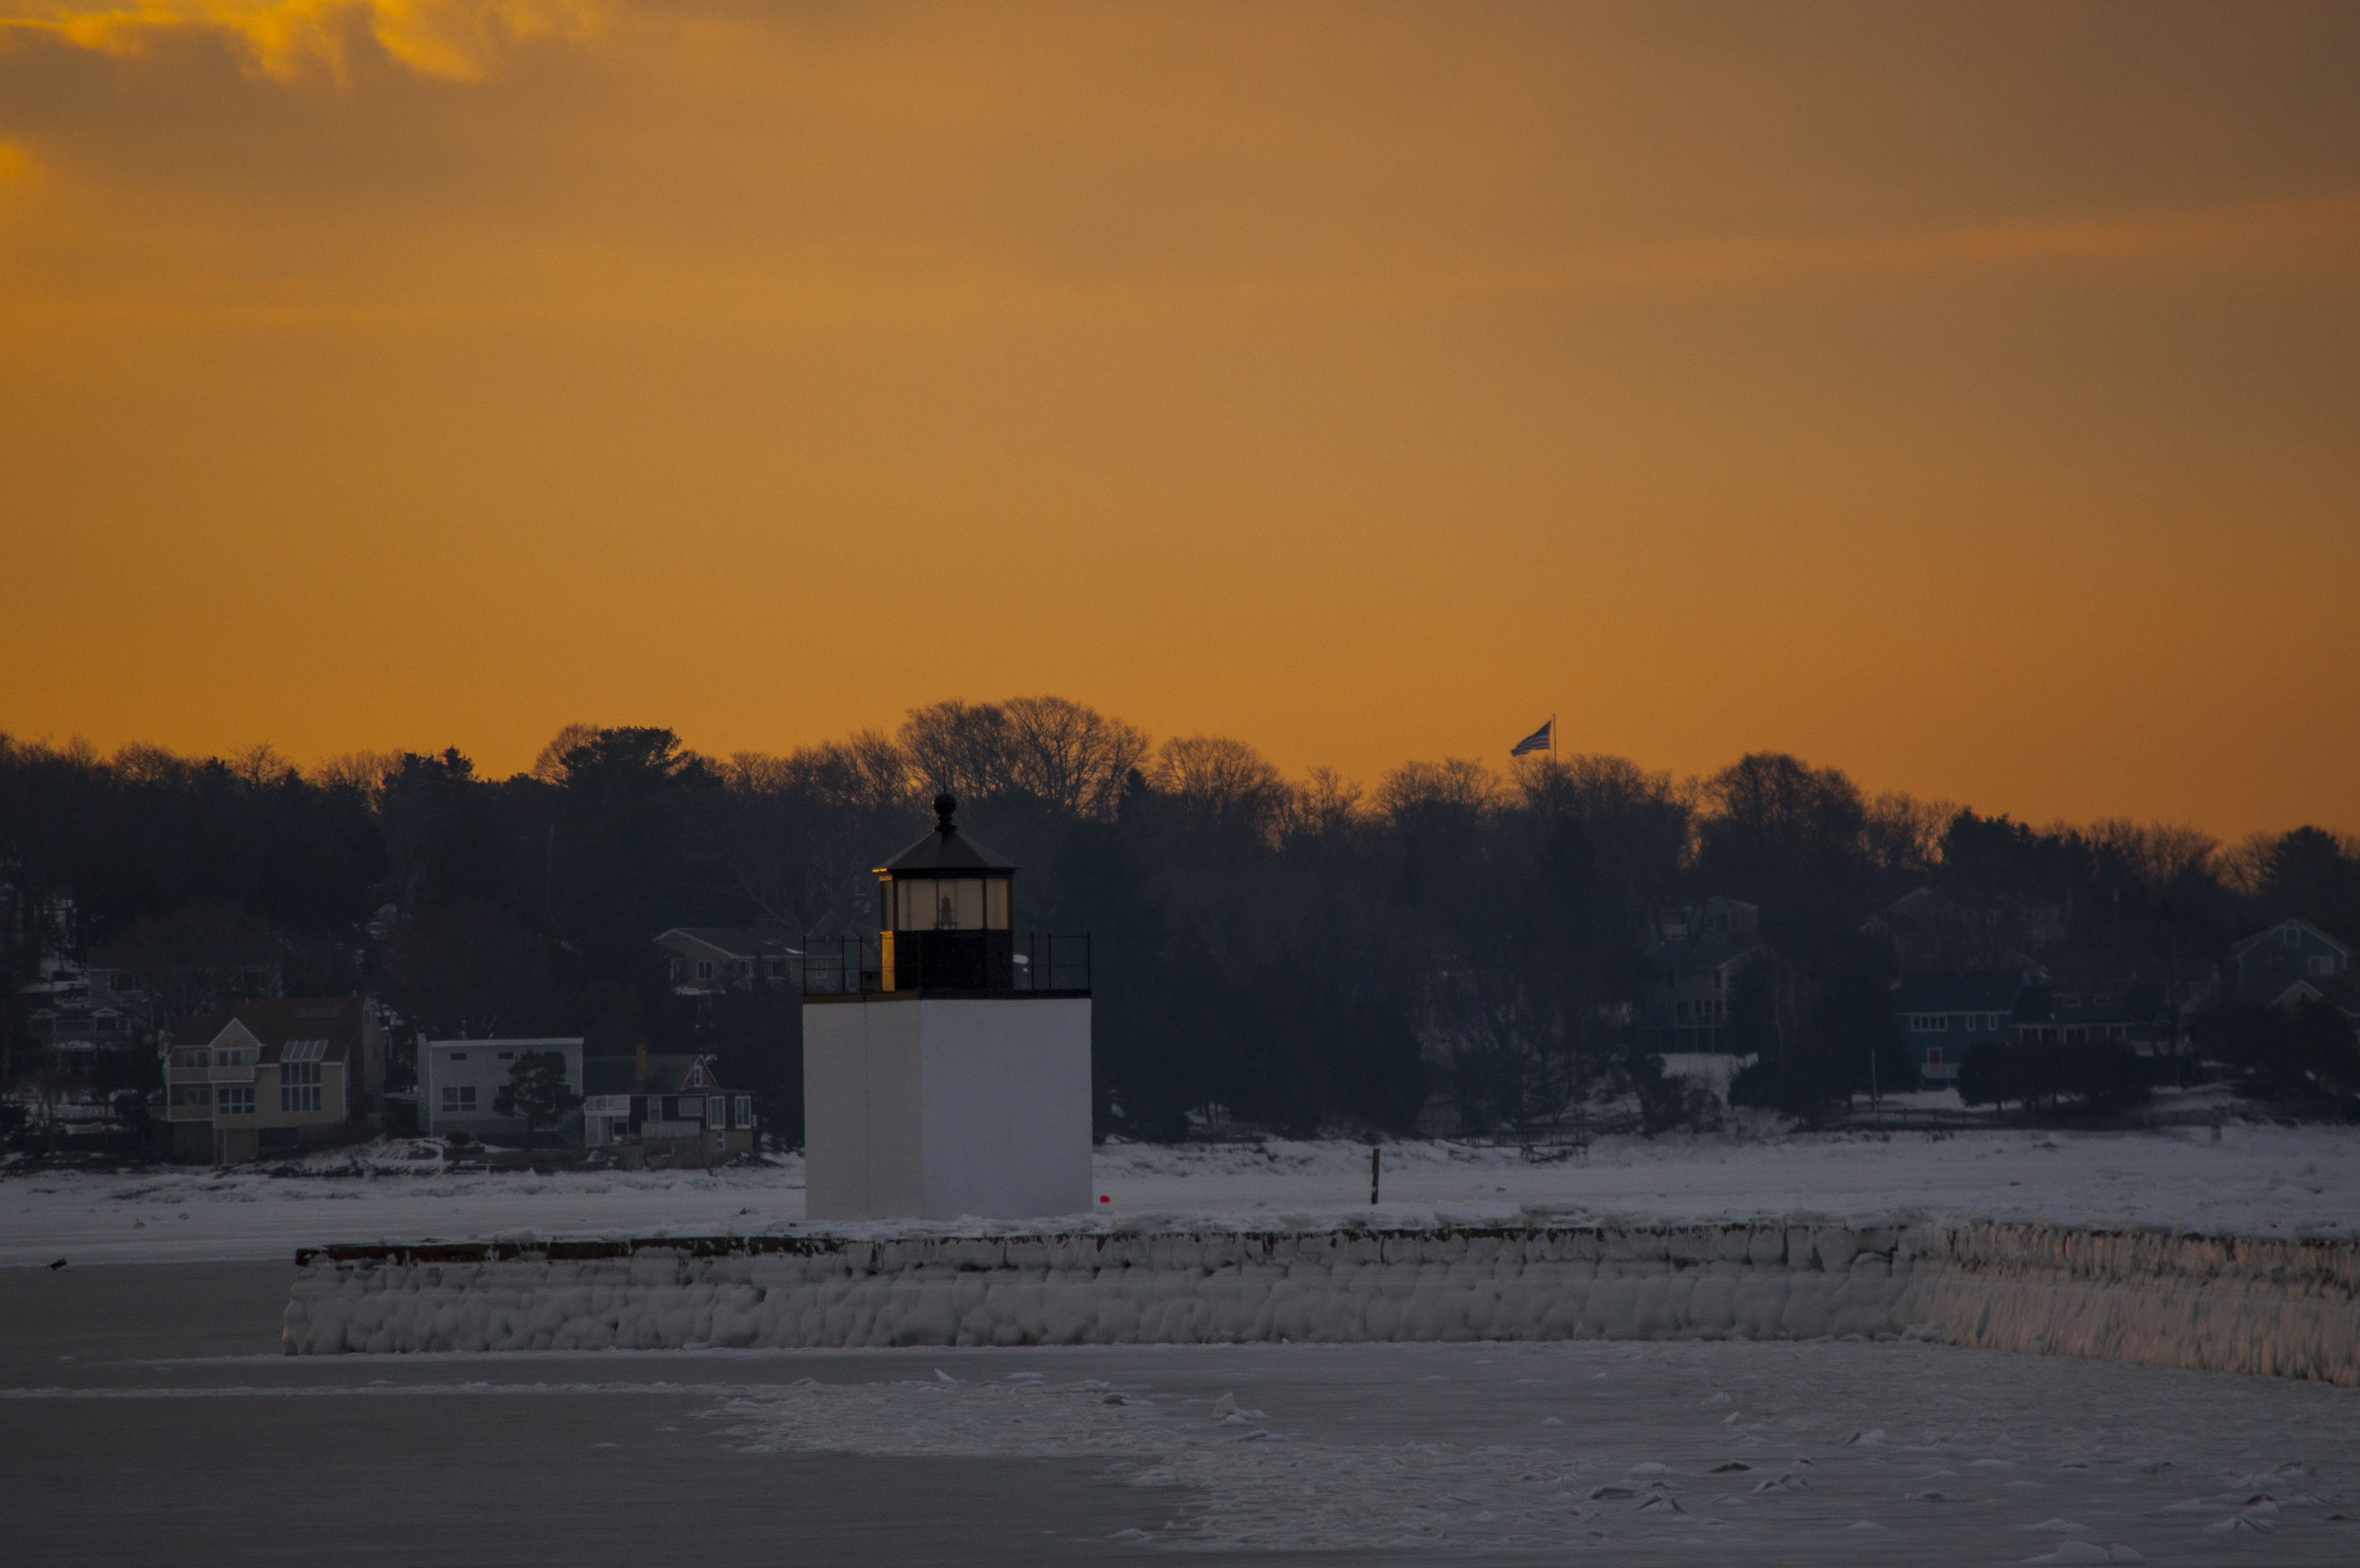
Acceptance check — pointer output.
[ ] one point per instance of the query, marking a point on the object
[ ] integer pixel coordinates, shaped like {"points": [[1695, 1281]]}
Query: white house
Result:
{"points": [[460, 1081]]}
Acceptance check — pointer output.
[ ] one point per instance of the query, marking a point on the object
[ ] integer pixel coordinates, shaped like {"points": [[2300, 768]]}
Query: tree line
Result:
{"points": [[1458, 945]]}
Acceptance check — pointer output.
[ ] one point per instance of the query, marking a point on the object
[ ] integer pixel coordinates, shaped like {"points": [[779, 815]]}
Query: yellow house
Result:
{"points": [[271, 1078]]}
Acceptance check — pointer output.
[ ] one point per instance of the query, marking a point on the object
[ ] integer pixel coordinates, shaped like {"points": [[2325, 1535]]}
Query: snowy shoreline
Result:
{"points": [[2254, 1181]]}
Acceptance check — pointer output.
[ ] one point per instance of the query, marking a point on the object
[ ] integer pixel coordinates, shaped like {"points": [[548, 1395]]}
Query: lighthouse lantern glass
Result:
{"points": [[948, 904]]}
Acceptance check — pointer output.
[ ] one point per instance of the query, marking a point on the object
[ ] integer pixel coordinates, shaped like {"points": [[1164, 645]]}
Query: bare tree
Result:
{"points": [[1903, 833], [784, 836], [958, 745], [1459, 785], [1073, 756], [2159, 855], [364, 771], [1220, 784], [1322, 808]]}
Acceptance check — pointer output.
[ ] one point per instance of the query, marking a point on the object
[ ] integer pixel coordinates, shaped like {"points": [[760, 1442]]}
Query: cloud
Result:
{"points": [[450, 40]]}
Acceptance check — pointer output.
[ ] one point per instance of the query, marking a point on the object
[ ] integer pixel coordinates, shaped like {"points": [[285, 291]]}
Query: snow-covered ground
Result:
{"points": [[2250, 1180]]}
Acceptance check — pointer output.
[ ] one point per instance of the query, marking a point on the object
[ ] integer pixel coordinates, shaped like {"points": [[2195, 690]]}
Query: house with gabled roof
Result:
{"points": [[2292, 960], [703, 959], [666, 1110], [271, 1077]]}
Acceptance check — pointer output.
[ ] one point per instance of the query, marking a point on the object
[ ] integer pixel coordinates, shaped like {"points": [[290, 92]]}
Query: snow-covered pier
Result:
{"points": [[2287, 1308]]}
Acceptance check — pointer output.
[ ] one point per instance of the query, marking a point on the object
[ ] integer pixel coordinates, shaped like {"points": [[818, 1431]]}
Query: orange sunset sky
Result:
{"points": [[1968, 396]]}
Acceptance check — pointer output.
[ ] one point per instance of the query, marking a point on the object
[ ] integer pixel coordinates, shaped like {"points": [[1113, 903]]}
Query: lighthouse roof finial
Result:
{"points": [[947, 851]]}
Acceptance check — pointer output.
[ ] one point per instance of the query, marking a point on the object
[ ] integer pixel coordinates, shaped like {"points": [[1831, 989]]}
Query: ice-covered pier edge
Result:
{"points": [[2284, 1307]]}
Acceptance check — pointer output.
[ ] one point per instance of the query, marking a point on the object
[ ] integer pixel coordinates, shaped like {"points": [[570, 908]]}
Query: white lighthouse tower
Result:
{"points": [[946, 1065]]}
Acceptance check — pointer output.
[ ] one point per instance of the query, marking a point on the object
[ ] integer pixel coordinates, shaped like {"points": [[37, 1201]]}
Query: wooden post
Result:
{"points": [[1376, 1156]]}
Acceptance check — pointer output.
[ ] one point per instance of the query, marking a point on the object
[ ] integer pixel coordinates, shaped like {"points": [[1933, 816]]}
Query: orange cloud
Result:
{"points": [[452, 39]]}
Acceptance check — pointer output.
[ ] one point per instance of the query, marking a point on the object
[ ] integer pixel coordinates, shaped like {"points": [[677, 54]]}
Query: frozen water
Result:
{"points": [[1366, 1454]]}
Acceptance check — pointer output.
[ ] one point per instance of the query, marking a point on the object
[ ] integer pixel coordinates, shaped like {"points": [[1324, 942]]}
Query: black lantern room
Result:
{"points": [[943, 905]]}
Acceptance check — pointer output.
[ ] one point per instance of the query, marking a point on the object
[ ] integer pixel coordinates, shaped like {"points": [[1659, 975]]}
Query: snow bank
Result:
{"points": [[2213, 1303], [2281, 1307]]}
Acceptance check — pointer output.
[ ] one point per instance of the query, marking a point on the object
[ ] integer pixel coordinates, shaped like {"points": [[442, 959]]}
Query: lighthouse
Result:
{"points": [[947, 1060]]}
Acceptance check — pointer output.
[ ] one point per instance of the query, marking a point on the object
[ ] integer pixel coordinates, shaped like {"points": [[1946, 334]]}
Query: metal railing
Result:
{"points": [[848, 966]]}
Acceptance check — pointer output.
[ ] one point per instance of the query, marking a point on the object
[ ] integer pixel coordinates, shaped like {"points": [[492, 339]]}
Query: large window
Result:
{"points": [[299, 1086], [951, 903], [197, 1057], [234, 1100], [193, 1094], [458, 1098]]}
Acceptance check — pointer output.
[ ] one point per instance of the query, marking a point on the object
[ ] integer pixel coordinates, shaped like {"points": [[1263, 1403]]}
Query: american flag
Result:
{"points": [[1540, 740]]}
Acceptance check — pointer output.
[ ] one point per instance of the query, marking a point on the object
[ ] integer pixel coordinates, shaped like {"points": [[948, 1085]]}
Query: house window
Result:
{"points": [[459, 1056], [1933, 1055], [234, 1100], [2322, 962], [299, 1086], [507, 1056], [193, 1094], [778, 967], [457, 1098], [745, 1113], [704, 968], [193, 1058]]}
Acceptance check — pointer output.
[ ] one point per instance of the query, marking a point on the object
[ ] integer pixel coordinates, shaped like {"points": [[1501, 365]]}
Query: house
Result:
{"points": [[1942, 1015], [2291, 961], [667, 1109], [1693, 958], [272, 1078], [703, 959], [459, 1082], [1931, 931], [2069, 1012]]}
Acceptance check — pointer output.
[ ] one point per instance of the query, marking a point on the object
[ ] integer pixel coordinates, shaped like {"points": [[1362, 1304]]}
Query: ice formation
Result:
{"points": [[2288, 1307]]}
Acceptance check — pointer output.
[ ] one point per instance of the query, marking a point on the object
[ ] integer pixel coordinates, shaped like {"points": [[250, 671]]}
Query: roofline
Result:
{"points": [[511, 1039], [2238, 949]]}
